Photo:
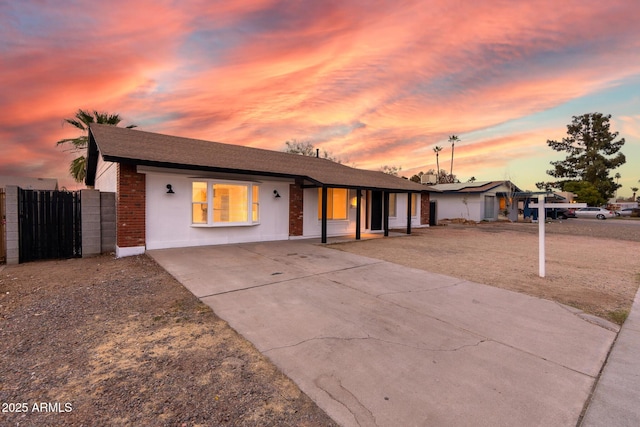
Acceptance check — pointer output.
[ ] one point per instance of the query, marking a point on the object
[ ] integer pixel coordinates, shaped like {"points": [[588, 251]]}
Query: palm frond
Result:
{"points": [[78, 143], [78, 168], [82, 120]]}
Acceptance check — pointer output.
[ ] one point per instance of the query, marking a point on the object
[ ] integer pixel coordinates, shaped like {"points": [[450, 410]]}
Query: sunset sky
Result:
{"points": [[374, 82]]}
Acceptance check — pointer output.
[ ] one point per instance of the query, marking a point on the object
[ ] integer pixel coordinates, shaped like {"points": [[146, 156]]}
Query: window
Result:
{"points": [[230, 203], [255, 205], [392, 204], [199, 203], [337, 203], [414, 204]]}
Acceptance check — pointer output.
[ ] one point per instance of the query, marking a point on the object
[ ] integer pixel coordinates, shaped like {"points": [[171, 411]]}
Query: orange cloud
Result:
{"points": [[374, 83]]}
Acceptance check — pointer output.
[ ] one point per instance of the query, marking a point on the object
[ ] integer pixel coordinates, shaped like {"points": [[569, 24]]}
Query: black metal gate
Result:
{"points": [[49, 225]]}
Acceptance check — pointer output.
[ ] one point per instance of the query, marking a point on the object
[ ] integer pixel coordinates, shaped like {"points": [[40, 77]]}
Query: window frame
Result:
{"points": [[414, 204], [252, 206], [332, 196], [393, 205]]}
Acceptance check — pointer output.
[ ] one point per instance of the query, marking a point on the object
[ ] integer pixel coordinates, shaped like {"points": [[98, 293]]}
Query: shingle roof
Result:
{"points": [[123, 145]]}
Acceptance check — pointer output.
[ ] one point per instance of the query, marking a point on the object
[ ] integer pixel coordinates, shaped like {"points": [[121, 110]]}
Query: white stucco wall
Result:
{"points": [[399, 218], [106, 176], [451, 206], [312, 226], [168, 221]]}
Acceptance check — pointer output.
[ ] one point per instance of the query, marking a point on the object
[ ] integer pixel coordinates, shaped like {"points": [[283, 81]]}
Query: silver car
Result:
{"points": [[625, 212], [599, 213]]}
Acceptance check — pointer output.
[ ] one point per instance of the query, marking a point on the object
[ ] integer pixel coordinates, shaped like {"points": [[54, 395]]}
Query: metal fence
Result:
{"points": [[49, 224]]}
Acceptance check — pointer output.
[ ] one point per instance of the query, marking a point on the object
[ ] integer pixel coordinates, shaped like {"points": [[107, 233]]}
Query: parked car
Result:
{"points": [[625, 212], [565, 213], [599, 213]]}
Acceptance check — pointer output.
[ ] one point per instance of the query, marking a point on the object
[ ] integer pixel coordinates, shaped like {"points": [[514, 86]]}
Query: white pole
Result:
{"points": [[541, 220]]}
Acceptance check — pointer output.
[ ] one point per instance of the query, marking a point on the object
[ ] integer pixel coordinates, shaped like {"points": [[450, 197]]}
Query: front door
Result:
{"points": [[376, 210]]}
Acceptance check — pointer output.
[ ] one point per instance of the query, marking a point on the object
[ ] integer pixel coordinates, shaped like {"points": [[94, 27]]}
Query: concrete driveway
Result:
{"points": [[375, 343]]}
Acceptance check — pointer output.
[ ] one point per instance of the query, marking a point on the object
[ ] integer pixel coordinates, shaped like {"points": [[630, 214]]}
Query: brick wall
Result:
{"points": [[130, 213], [424, 208], [296, 205]]}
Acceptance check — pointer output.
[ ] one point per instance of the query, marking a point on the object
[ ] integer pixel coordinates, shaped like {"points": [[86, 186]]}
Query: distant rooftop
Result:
{"points": [[470, 187]]}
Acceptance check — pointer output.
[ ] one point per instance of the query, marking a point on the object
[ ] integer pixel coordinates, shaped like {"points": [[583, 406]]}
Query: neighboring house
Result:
{"points": [[28, 183], [477, 201], [177, 192]]}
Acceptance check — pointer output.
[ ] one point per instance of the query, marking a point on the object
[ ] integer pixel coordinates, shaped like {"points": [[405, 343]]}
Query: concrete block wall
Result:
{"points": [[90, 222], [12, 234], [98, 222], [108, 222]]}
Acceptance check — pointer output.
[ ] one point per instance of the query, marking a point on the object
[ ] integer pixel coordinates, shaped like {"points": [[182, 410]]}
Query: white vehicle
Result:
{"points": [[598, 213]]}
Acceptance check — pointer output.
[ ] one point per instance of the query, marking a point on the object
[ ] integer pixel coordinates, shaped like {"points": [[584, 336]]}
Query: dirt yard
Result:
{"points": [[99, 341], [592, 265], [104, 342]]}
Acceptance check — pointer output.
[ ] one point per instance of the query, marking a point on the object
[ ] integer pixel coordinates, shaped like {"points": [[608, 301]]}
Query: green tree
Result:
{"points": [[592, 152], [585, 192], [82, 120], [417, 177]]}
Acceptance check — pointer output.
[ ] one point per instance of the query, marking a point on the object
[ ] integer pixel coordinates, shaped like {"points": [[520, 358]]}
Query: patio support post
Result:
{"points": [[358, 208], [385, 210], [409, 212], [324, 214]]}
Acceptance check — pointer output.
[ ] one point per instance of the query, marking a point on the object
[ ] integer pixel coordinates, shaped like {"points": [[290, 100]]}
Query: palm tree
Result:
{"points": [[83, 119], [437, 150], [617, 176], [453, 139], [635, 190]]}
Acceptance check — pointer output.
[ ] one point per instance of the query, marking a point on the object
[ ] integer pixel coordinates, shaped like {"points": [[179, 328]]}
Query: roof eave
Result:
{"points": [[92, 160]]}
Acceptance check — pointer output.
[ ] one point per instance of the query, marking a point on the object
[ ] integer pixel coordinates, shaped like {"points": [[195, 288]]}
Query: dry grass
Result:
{"points": [[598, 275]]}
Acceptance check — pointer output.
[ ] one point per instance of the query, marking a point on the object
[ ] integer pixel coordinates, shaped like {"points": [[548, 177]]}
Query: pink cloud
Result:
{"points": [[375, 83]]}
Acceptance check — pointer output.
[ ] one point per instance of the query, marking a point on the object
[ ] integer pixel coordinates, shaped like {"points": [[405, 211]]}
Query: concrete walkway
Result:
{"points": [[616, 401], [375, 343]]}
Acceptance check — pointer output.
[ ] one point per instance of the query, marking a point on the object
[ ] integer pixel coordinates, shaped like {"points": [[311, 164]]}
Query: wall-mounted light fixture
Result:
{"points": [[276, 194], [170, 189], [354, 201]]}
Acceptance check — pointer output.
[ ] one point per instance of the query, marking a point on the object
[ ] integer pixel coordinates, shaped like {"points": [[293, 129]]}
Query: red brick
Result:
{"points": [[131, 206], [296, 209], [424, 208]]}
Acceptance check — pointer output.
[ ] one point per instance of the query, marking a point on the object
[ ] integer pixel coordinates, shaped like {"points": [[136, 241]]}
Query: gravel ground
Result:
{"points": [[105, 342], [592, 265]]}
